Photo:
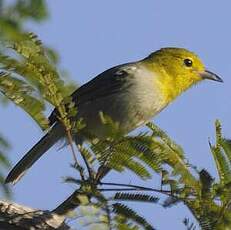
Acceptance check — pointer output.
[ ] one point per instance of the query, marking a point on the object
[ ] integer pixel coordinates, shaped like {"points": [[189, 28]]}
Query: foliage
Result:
{"points": [[207, 199], [4, 146], [29, 79], [16, 13], [13, 16]]}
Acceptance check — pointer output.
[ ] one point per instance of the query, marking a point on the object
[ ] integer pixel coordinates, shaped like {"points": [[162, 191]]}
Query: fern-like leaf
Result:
{"points": [[226, 145], [222, 161], [38, 73], [20, 93], [4, 162], [137, 197], [128, 213]]}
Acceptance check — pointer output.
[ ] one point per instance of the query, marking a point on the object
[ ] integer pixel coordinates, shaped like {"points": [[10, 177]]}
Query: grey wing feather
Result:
{"points": [[109, 82]]}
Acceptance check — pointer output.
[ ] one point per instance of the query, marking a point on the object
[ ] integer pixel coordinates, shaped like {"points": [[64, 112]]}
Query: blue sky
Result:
{"points": [[92, 36]]}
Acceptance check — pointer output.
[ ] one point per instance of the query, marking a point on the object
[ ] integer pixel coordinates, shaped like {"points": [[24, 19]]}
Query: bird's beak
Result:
{"points": [[210, 75]]}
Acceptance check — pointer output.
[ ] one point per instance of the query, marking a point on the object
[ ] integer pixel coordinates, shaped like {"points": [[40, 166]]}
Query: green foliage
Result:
{"points": [[29, 79], [23, 61], [221, 154], [13, 15], [153, 151], [21, 94], [4, 162], [29, 9], [129, 214], [135, 197], [207, 199], [211, 203]]}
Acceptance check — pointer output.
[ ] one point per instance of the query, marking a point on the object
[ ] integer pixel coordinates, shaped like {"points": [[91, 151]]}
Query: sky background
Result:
{"points": [[92, 36]]}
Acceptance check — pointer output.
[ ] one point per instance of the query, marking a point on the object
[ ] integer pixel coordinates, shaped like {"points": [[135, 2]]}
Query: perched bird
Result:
{"points": [[131, 94]]}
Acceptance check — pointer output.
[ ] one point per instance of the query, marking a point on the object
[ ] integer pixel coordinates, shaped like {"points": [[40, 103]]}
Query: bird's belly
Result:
{"points": [[128, 110]]}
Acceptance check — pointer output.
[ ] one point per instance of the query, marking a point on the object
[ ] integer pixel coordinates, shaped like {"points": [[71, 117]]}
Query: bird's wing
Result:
{"points": [[107, 83]]}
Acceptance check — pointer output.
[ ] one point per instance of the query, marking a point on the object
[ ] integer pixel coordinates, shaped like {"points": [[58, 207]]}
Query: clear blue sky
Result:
{"points": [[92, 36]]}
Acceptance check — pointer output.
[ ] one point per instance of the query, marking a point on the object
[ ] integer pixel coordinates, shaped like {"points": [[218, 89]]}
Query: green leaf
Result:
{"points": [[35, 10], [138, 197], [39, 76], [128, 213], [4, 162], [222, 161], [20, 93], [226, 145], [173, 155]]}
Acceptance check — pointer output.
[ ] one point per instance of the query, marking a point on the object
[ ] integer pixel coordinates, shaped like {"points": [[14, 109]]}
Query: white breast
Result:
{"points": [[130, 108]]}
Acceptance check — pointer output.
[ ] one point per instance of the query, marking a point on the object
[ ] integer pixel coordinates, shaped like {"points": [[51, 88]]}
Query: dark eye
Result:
{"points": [[188, 62]]}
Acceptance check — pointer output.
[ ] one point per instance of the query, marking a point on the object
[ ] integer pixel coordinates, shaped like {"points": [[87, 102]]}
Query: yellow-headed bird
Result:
{"points": [[131, 94]]}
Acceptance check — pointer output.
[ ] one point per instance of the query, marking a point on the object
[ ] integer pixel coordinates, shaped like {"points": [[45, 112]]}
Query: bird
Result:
{"points": [[130, 94]]}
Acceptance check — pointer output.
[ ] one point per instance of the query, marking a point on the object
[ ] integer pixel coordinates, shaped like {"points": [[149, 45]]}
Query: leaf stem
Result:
{"points": [[131, 187]]}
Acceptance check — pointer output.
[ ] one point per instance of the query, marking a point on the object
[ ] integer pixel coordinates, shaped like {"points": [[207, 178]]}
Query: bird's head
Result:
{"points": [[177, 70]]}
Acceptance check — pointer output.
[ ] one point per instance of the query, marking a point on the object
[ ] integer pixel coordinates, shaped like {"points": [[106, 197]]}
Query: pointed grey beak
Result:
{"points": [[210, 76]]}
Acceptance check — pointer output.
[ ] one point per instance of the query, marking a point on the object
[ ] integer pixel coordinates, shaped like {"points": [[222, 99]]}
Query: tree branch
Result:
{"points": [[19, 217]]}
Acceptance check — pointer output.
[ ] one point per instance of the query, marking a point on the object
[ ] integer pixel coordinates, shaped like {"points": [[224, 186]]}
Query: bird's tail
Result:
{"points": [[34, 154]]}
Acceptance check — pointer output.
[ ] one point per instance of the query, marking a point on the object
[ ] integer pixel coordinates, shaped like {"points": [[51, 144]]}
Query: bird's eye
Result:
{"points": [[188, 62]]}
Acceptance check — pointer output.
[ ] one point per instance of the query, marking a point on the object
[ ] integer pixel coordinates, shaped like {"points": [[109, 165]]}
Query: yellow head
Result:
{"points": [[177, 70]]}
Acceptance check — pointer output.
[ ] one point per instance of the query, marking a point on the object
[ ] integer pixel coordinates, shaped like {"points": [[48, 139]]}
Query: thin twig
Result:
{"points": [[135, 188], [69, 139], [168, 193], [122, 189], [70, 142], [90, 172]]}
